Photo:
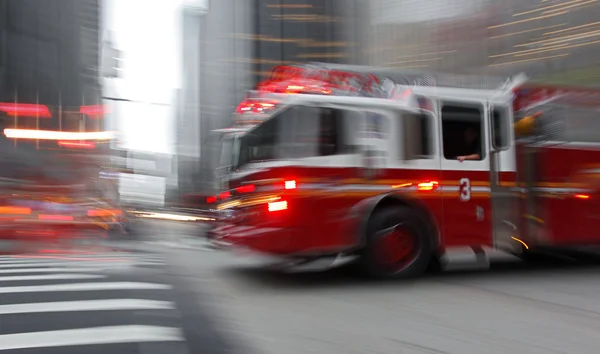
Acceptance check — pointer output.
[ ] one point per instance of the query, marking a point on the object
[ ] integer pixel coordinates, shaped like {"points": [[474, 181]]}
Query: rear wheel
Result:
{"points": [[398, 244]]}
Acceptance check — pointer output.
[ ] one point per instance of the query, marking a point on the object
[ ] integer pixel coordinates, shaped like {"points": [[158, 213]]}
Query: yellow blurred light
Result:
{"points": [[572, 28], [527, 60], [574, 37], [527, 20], [571, 6], [546, 8], [413, 61], [526, 31]]}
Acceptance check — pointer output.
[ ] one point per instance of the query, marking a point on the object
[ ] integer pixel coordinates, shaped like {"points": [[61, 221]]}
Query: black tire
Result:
{"points": [[538, 257], [412, 225]]}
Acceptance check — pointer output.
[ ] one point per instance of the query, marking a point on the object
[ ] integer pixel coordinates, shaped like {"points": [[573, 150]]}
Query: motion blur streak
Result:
{"points": [[56, 135]]}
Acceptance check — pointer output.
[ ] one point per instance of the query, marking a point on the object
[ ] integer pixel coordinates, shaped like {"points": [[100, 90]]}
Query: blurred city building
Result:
{"points": [[231, 45], [294, 31], [49, 52], [552, 41]]}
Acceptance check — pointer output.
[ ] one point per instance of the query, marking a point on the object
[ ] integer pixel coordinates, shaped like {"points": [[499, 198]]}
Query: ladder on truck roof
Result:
{"points": [[433, 79]]}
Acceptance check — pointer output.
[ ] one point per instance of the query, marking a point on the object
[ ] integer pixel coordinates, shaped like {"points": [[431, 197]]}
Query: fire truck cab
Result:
{"points": [[326, 176]]}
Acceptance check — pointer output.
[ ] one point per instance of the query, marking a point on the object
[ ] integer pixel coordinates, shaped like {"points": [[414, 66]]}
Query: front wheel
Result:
{"points": [[398, 244]]}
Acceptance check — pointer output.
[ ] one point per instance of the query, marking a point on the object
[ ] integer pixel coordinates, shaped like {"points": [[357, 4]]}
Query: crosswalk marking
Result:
{"points": [[61, 264], [87, 305], [84, 287], [87, 336], [23, 260], [46, 270], [66, 276], [76, 282]]}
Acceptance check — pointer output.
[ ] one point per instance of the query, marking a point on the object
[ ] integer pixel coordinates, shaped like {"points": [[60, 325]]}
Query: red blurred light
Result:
{"points": [[25, 110], [278, 206], [427, 186], [93, 111], [224, 195], [76, 145], [211, 200], [582, 196], [249, 188], [290, 184], [55, 217]]}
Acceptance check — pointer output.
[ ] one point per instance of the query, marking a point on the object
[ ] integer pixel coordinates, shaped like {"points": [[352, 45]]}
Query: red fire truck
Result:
{"points": [[331, 176], [380, 180]]}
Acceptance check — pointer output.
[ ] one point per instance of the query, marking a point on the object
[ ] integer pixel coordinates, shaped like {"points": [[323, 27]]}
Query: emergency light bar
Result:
{"points": [[56, 135]]}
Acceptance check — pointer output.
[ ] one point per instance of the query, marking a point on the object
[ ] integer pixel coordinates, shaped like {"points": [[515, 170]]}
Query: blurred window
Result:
{"points": [[425, 143], [501, 128], [457, 122], [297, 132]]}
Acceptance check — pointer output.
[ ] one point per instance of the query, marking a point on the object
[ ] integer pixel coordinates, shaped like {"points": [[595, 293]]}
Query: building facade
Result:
{"points": [[292, 31], [49, 52], [231, 45], [550, 41]]}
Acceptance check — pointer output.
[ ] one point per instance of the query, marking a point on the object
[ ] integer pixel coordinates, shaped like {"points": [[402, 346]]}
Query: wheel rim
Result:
{"points": [[396, 248]]}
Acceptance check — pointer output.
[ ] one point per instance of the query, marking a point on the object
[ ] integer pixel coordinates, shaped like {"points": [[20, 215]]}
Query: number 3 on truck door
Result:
{"points": [[465, 189]]}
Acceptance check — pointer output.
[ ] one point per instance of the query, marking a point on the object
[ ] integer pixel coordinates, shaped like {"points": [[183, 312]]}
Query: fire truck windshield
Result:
{"points": [[299, 132]]}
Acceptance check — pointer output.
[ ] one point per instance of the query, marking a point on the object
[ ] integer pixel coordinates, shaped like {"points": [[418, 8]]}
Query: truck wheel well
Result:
{"points": [[429, 220]]}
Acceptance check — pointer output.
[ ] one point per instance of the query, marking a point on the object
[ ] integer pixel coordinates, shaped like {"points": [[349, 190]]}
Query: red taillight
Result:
{"points": [[290, 184], [224, 195], [249, 188], [278, 206], [427, 186], [211, 200]]}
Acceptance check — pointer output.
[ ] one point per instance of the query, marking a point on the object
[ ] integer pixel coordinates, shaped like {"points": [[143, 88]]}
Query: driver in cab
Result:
{"points": [[471, 145]]}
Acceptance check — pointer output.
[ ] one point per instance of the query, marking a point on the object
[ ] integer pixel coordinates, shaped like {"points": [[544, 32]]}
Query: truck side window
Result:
{"points": [[426, 123], [462, 132], [500, 126], [417, 133]]}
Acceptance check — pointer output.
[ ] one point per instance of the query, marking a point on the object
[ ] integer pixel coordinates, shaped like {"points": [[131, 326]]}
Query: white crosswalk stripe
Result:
{"points": [[58, 300], [51, 277], [87, 336], [87, 305]]}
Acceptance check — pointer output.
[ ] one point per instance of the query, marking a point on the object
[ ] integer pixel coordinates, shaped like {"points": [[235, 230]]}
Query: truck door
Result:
{"points": [[467, 219], [503, 177]]}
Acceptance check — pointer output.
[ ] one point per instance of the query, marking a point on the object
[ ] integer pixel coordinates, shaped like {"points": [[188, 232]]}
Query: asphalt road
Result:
{"points": [[548, 307], [205, 301]]}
